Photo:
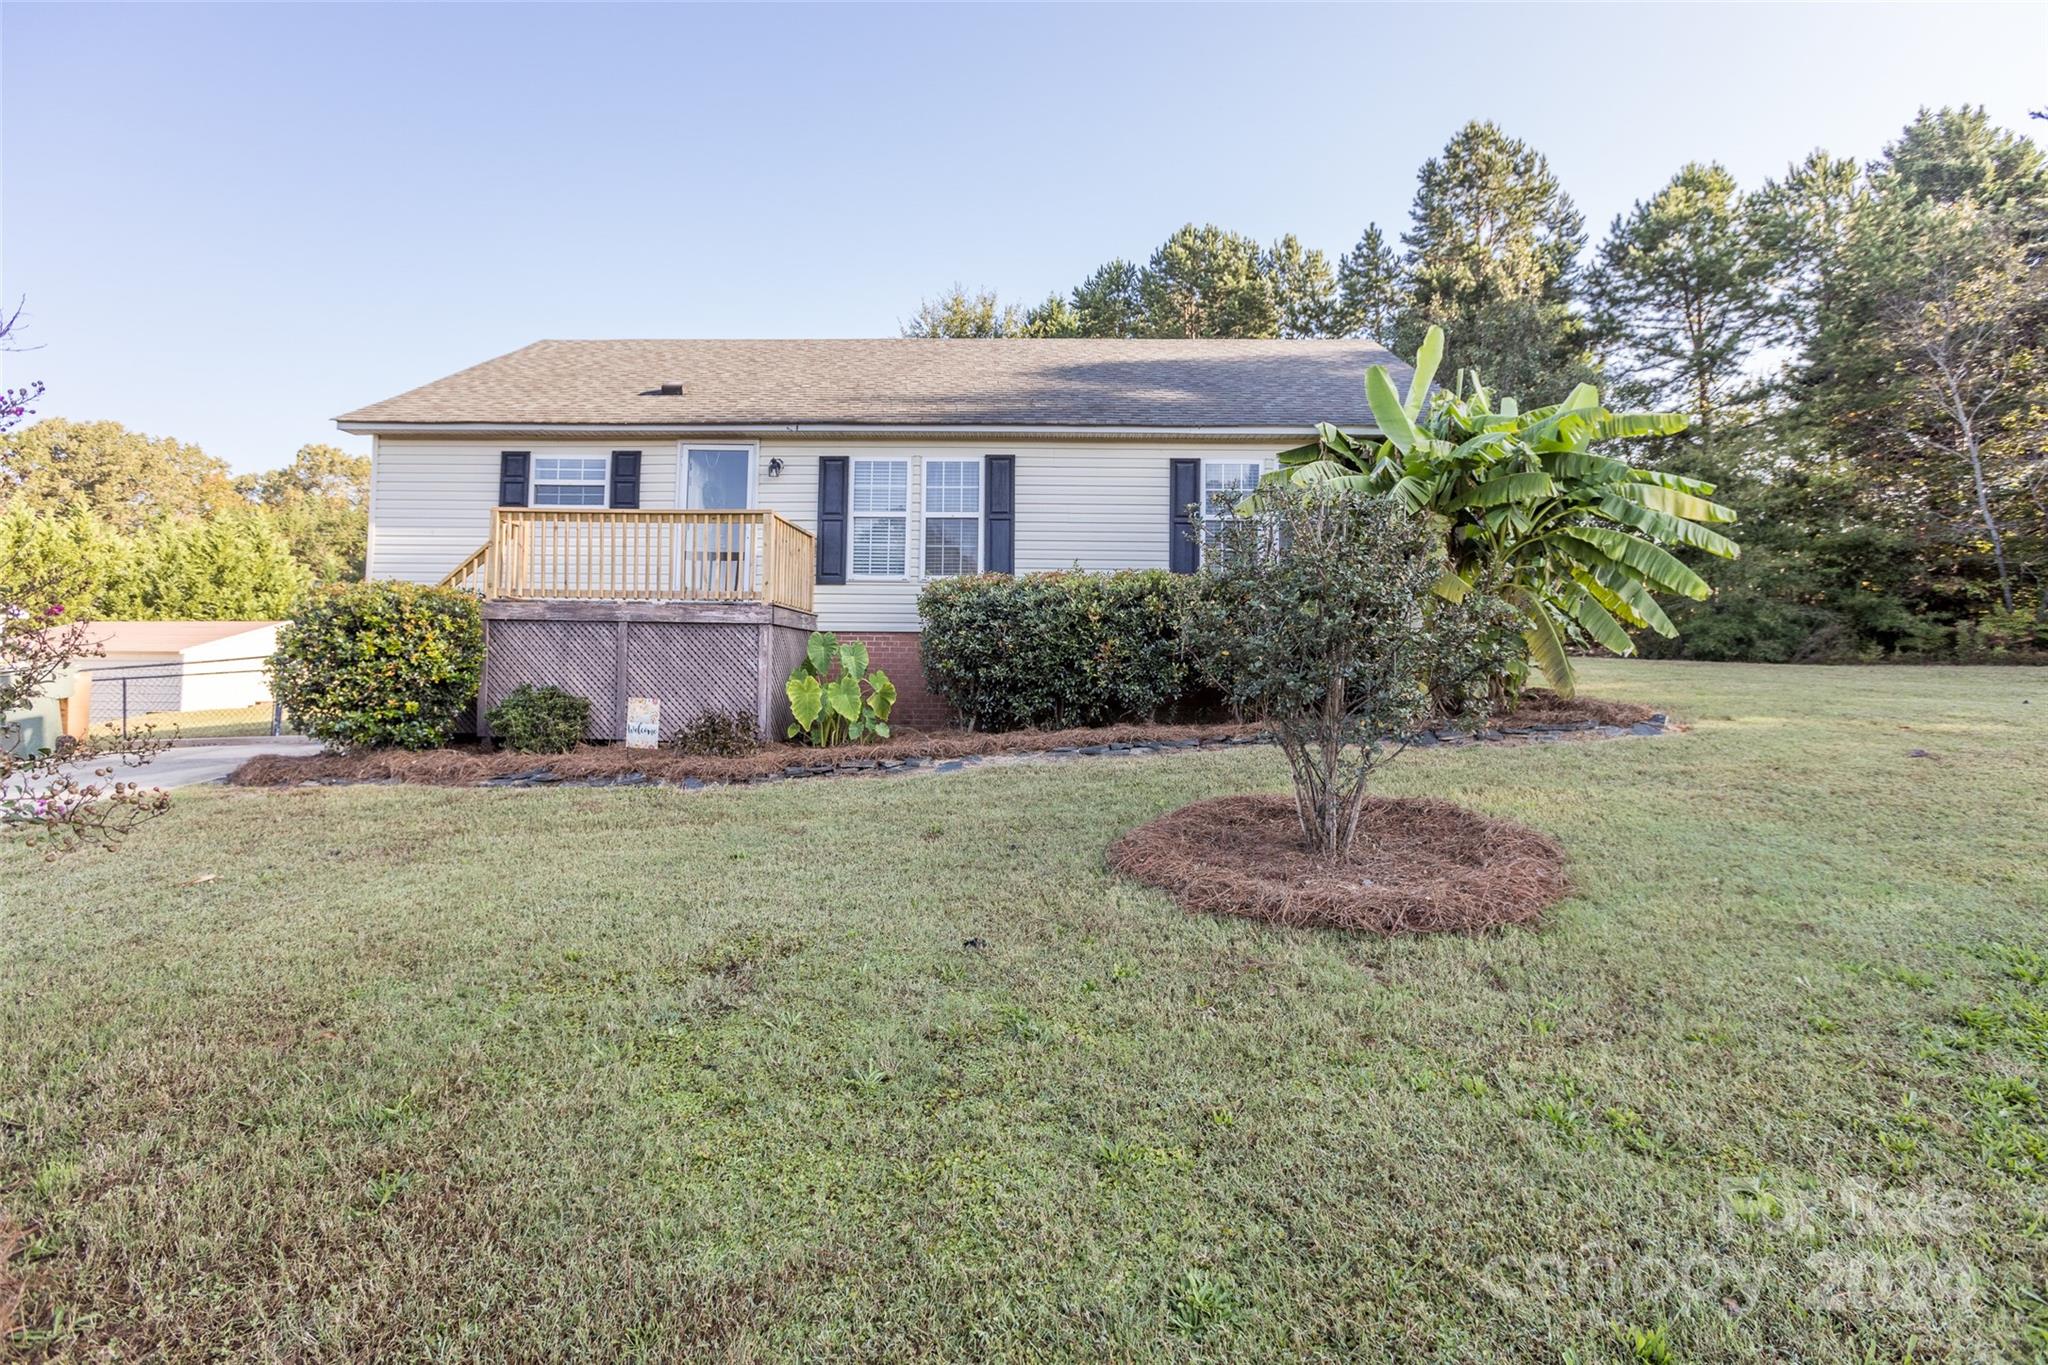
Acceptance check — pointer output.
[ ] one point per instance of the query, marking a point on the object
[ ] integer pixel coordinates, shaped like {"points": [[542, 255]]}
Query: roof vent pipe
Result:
{"points": [[670, 388]]}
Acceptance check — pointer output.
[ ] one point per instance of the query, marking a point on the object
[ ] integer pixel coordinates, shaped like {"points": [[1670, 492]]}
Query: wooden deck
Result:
{"points": [[642, 555]]}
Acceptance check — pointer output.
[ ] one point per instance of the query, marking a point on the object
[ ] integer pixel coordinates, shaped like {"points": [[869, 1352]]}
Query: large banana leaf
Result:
{"points": [[1503, 489], [1413, 493], [1674, 503], [1623, 426], [1677, 481], [1677, 530], [1450, 586], [1387, 409], [1654, 564], [1426, 360], [1546, 646], [1597, 621], [1578, 464], [1621, 583]]}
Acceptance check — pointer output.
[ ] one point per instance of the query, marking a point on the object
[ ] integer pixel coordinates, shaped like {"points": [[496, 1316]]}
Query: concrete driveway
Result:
{"points": [[188, 765]]}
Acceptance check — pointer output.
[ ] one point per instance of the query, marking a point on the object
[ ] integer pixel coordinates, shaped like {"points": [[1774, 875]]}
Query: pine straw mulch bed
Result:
{"points": [[467, 766], [606, 764], [1419, 865], [1541, 706]]}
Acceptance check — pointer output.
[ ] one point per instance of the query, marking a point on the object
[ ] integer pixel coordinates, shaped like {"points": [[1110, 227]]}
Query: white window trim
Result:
{"points": [[753, 452], [925, 514], [604, 484], [911, 490], [1260, 462], [1257, 462]]}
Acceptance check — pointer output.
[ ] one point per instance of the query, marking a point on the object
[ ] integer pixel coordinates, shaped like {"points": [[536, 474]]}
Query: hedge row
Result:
{"points": [[1059, 649]]}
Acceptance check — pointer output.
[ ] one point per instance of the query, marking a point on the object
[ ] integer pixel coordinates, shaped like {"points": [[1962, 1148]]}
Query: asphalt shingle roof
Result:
{"points": [[906, 382]]}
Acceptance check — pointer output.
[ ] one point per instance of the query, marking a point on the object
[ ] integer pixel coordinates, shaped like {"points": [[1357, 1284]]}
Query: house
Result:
{"points": [[153, 667], [669, 518]]}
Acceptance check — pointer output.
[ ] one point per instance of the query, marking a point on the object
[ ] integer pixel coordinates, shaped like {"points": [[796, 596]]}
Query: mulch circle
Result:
{"points": [[1419, 865]]}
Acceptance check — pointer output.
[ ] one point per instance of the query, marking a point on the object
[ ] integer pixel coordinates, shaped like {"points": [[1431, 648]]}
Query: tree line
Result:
{"points": [[150, 528], [1859, 347]]}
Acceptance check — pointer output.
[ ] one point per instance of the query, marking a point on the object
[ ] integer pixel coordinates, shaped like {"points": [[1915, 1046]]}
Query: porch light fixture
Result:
{"points": [[775, 468]]}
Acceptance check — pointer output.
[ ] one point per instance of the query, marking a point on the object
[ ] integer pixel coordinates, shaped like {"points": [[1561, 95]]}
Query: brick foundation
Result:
{"points": [[896, 653]]}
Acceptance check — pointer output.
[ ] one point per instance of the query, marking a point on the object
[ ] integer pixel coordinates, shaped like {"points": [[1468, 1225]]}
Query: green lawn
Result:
{"points": [[407, 1073]]}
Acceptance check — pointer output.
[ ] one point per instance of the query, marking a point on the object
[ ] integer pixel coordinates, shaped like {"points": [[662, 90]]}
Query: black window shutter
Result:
{"points": [[512, 466], [999, 513], [625, 478], [1184, 490], [832, 497]]}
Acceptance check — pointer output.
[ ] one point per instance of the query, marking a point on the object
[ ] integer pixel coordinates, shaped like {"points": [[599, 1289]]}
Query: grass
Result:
{"points": [[231, 720], [415, 1073]]}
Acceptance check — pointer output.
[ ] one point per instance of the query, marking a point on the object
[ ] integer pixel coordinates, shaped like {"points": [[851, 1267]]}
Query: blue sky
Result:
{"points": [[233, 222]]}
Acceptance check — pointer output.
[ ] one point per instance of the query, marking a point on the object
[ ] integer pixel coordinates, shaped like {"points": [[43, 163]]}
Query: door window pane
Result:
{"points": [[716, 479]]}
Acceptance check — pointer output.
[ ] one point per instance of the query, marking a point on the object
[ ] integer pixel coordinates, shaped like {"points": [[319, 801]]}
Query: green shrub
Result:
{"points": [[540, 720], [716, 734], [379, 663], [1058, 649], [826, 697]]}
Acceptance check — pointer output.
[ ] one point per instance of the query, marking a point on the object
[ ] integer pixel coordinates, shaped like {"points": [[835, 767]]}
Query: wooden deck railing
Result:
{"points": [[647, 554]]}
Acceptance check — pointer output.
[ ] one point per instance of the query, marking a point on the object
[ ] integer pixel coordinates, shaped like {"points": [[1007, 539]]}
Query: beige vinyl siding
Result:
{"points": [[1101, 505], [431, 500]]}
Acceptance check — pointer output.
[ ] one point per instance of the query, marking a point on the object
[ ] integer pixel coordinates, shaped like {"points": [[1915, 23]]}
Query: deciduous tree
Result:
{"points": [[319, 503], [959, 314], [124, 476]]}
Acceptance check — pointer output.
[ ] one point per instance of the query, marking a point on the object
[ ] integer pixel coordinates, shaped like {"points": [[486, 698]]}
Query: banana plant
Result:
{"points": [[1573, 538], [826, 696]]}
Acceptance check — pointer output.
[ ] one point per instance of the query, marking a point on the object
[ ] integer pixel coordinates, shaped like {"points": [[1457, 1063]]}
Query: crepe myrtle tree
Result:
{"points": [[1316, 612], [44, 800]]}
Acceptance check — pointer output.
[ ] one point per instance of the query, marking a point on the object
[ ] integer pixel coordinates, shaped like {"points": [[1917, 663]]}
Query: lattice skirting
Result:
{"points": [[689, 666]]}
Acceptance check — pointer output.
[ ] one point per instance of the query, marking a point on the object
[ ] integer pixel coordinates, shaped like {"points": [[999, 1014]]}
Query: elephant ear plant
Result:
{"points": [[1572, 538], [834, 698]]}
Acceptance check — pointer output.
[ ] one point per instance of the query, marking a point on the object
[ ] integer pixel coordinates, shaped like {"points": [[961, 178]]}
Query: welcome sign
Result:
{"points": [[643, 722]]}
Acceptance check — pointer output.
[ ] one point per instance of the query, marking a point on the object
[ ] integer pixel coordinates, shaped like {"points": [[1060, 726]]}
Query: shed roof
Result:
{"points": [[165, 637]]}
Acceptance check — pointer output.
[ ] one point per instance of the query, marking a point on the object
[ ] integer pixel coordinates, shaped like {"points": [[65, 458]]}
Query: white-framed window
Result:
{"points": [[952, 517], [880, 534], [1225, 483], [570, 480]]}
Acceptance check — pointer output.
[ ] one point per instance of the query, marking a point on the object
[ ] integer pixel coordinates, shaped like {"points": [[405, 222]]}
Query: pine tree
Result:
{"points": [[1369, 289], [1110, 302], [1681, 297], [1055, 317], [1304, 289], [1206, 282], [1492, 258]]}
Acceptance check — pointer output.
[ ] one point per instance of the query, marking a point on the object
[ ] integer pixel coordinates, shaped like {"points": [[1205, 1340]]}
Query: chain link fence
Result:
{"points": [[200, 699]]}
